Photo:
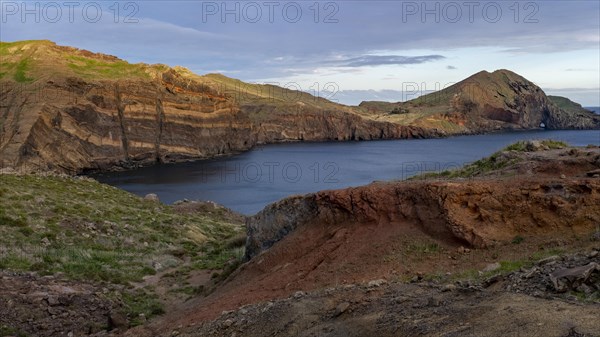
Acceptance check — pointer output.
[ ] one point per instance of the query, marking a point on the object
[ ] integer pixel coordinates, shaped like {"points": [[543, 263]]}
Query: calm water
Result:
{"points": [[249, 181]]}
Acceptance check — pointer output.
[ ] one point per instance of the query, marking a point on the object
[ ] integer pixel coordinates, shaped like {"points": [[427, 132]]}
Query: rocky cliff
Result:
{"points": [[309, 124], [103, 124], [71, 110]]}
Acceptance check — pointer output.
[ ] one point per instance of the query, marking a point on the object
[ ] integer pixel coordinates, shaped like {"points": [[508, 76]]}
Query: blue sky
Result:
{"points": [[362, 50]]}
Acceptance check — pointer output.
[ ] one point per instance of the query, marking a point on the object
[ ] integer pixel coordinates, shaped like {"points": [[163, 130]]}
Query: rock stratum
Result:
{"points": [[71, 110]]}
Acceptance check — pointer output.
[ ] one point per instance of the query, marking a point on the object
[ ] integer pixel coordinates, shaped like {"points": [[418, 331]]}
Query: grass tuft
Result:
{"points": [[22, 68], [6, 331]]}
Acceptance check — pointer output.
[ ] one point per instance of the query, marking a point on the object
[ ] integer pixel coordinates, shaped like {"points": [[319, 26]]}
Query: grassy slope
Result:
{"points": [[567, 105], [28, 61], [266, 93], [93, 232], [42, 58], [492, 163]]}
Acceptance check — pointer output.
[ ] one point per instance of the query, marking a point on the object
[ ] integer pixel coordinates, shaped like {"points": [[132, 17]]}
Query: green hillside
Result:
{"points": [[567, 105], [92, 232], [28, 61]]}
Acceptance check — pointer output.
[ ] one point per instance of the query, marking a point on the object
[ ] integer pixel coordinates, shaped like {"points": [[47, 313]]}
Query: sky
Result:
{"points": [[347, 51]]}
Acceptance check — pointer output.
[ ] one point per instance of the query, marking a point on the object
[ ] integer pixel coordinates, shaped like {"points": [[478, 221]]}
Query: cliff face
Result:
{"points": [[571, 115], [312, 124], [74, 110], [104, 124], [486, 102]]}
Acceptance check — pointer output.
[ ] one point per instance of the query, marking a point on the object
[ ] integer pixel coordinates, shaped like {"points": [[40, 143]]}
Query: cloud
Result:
{"points": [[176, 34], [378, 60], [451, 67]]}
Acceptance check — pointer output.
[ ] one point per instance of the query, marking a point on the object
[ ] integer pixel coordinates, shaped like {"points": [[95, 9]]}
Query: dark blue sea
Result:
{"points": [[248, 182]]}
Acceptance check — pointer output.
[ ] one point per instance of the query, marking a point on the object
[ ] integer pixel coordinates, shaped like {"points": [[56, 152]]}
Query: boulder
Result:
{"points": [[152, 197], [572, 278]]}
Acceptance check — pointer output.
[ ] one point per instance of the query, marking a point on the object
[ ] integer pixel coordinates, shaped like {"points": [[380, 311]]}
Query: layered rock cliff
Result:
{"points": [[71, 110], [104, 124]]}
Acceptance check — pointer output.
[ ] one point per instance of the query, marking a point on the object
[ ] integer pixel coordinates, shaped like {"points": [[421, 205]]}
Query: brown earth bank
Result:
{"points": [[437, 256], [70, 110], [522, 303], [34, 305]]}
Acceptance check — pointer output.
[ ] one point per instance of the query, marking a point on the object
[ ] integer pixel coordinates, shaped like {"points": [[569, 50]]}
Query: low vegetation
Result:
{"points": [[496, 161], [9, 331], [21, 63], [96, 233], [526, 146], [20, 73], [94, 68], [566, 104], [507, 266]]}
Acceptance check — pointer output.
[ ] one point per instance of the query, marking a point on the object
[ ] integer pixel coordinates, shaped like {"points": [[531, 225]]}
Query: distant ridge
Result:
{"points": [[485, 102]]}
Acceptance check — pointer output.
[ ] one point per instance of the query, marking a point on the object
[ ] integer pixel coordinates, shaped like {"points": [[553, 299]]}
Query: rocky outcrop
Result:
{"points": [[35, 305], [571, 119], [107, 124], [468, 213], [477, 212]]}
